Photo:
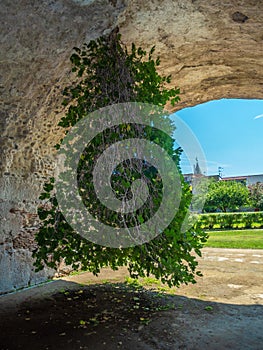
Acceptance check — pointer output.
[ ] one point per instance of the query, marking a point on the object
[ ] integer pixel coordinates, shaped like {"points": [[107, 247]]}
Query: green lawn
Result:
{"points": [[247, 239]]}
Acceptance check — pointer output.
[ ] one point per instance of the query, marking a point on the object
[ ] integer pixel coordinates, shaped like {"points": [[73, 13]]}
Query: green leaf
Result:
{"points": [[107, 72]]}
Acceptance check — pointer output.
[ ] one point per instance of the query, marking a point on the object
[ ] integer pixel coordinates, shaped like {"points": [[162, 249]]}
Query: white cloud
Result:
{"points": [[212, 167], [259, 116]]}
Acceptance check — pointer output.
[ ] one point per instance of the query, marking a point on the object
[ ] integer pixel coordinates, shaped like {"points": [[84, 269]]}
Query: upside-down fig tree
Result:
{"points": [[107, 73]]}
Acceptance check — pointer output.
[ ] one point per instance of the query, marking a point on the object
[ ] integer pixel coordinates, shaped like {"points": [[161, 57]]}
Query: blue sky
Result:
{"points": [[230, 132]]}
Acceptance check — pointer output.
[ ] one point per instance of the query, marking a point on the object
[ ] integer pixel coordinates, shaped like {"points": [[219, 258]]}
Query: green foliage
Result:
{"points": [[231, 220], [109, 74], [256, 195], [106, 73], [226, 196]]}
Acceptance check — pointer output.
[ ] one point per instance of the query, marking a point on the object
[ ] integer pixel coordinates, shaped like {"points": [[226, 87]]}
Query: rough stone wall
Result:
{"points": [[37, 38], [213, 49]]}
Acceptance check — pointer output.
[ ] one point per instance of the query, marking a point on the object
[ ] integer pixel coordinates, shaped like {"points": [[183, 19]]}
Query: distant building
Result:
{"points": [[190, 178], [248, 180], [197, 169], [193, 178], [240, 179], [253, 179]]}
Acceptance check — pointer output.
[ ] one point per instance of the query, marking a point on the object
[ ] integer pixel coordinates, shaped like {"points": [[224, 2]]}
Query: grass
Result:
{"points": [[150, 283], [245, 239]]}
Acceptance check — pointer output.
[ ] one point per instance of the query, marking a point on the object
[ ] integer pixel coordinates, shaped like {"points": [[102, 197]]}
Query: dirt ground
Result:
{"points": [[223, 310]]}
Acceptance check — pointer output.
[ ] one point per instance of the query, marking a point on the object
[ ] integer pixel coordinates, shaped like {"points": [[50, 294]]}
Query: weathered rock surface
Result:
{"points": [[212, 49], [37, 38]]}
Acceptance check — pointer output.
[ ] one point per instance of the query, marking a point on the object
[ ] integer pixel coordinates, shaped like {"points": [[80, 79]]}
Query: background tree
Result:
{"points": [[106, 73], [226, 196], [200, 187], [256, 195]]}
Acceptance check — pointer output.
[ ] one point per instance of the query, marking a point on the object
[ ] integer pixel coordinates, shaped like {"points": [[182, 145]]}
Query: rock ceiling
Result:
{"points": [[213, 49]]}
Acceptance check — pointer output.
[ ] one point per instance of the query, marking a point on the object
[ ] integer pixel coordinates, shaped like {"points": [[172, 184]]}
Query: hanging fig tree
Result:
{"points": [[108, 74]]}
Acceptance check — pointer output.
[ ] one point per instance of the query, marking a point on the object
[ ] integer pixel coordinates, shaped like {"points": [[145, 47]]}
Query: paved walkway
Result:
{"points": [[251, 256], [229, 275]]}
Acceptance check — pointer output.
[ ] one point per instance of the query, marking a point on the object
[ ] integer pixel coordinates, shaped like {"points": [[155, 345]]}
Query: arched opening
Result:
{"points": [[230, 134]]}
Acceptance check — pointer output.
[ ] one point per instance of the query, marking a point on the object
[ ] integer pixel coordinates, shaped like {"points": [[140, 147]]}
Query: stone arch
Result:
{"points": [[210, 50]]}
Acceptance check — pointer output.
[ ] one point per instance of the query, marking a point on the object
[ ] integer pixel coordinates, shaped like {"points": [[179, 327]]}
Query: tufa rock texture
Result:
{"points": [[212, 50], [37, 38]]}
